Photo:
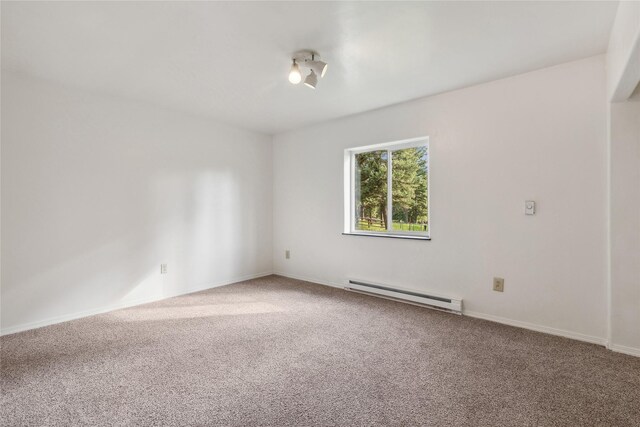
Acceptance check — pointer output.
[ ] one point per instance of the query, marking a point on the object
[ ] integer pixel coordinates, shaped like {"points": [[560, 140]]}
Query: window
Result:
{"points": [[399, 169]]}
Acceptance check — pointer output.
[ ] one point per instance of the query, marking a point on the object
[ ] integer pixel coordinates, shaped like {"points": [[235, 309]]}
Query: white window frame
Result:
{"points": [[350, 191]]}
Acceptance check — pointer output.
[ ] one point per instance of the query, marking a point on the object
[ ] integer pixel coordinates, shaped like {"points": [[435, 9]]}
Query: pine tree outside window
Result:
{"points": [[372, 173]]}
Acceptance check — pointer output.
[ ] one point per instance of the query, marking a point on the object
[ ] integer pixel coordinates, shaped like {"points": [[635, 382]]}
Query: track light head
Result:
{"points": [[311, 80], [319, 67], [294, 75]]}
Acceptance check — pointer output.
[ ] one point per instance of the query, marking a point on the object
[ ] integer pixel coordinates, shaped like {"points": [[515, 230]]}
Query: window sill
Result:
{"points": [[389, 236]]}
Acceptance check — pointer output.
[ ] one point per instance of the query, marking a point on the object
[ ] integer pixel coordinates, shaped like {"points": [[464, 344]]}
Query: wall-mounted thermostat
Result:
{"points": [[529, 207]]}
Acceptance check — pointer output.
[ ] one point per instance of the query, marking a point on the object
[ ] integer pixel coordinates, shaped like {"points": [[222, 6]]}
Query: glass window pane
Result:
{"points": [[371, 191], [409, 187]]}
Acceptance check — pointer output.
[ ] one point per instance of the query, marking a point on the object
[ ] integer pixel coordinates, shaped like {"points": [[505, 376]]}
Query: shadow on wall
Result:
{"points": [[110, 255]]}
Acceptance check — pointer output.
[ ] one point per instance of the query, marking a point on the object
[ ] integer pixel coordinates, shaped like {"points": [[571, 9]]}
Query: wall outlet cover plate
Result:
{"points": [[530, 207]]}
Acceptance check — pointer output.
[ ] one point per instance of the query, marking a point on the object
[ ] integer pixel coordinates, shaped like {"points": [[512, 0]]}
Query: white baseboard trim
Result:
{"points": [[124, 304], [497, 319], [538, 328], [631, 351]]}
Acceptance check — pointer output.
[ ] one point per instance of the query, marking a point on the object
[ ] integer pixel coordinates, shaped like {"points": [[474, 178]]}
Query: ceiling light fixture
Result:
{"points": [[311, 60], [294, 75], [311, 80], [318, 66]]}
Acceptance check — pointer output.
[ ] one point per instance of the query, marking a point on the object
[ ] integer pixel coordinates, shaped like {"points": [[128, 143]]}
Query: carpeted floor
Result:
{"points": [[277, 351]]}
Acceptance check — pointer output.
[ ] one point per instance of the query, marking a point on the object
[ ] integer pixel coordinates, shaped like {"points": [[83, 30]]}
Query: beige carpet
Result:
{"points": [[276, 351]]}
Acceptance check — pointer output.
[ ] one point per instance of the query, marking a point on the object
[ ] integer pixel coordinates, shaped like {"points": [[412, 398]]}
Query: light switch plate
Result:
{"points": [[529, 207]]}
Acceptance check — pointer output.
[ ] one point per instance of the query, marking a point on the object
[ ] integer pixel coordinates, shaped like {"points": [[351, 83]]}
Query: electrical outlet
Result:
{"points": [[529, 207], [498, 284], [163, 268], [287, 254]]}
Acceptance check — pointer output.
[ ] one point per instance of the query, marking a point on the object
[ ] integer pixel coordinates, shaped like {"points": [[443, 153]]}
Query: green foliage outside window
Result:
{"points": [[409, 182]]}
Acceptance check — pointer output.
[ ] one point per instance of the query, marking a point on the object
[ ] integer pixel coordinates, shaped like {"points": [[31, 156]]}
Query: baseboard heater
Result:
{"points": [[452, 305]]}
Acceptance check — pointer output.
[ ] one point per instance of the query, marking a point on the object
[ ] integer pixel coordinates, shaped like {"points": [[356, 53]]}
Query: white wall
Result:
{"points": [[97, 192], [625, 225], [623, 52], [623, 76], [539, 136]]}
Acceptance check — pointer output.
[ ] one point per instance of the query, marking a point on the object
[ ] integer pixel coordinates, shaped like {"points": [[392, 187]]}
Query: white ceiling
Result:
{"points": [[230, 61]]}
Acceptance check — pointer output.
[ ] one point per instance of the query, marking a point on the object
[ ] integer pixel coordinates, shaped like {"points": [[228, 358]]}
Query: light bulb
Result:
{"points": [[294, 75]]}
